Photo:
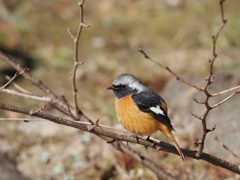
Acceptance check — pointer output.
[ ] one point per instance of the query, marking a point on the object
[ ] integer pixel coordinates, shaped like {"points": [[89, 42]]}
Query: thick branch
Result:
{"points": [[117, 137]]}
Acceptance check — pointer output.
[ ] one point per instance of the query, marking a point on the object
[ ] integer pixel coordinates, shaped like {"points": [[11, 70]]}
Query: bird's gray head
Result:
{"points": [[126, 84]]}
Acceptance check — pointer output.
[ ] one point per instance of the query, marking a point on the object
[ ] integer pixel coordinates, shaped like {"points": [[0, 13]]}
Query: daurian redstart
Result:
{"points": [[140, 109]]}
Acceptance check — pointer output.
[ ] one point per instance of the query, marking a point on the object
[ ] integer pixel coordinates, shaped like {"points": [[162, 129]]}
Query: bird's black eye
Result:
{"points": [[123, 86]]}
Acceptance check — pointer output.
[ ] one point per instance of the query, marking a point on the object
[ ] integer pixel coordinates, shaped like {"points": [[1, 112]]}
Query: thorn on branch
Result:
{"points": [[86, 25], [212, 129], [196, 116], [112, 141], [18, 73], [79, 63], [40, 109], [213, 79], [199, 102], [145, 55], [198, 142], [94, 125], [70, 34]]}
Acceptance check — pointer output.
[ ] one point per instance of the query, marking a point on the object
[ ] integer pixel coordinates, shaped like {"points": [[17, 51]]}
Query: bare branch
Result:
{"points": [[14, 77], [18, 87], [199, 102], [209, 81], [226, 91], [161, 173], [169, 70], [40, 109], [27, 96], [225, 147], [196, 116], [226, 99], [76, 43], [55, 99], [117, 137]]}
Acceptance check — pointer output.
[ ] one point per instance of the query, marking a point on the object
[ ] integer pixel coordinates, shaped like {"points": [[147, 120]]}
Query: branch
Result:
{"points": [[27, 96], [226, 91], [14, 77], [76, 43], [226, 99], [97, 130], [117, 137], [225, 147], [209, 82], [169, 70], [161, 173], [18, 87], [55, 99]]}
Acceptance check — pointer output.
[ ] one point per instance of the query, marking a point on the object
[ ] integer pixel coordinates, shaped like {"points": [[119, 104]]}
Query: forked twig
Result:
{"points": [[76, 43], [18, 87], [209, 81], [38, 110], [226, 99]]}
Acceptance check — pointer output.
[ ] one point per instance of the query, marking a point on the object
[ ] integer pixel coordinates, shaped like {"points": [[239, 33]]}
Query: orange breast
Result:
{"points": [[135, 120]]}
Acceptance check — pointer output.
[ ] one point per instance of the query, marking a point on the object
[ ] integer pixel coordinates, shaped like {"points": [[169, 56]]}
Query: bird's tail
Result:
{"points": [[167, 132], [178, 149], [176, 145]]}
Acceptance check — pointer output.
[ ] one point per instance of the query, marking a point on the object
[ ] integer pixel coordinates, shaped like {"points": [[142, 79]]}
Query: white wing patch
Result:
{"points": [[157, 110]]}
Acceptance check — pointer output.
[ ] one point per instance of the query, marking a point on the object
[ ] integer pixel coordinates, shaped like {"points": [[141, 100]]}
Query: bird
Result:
{"points": [[140, 109]]}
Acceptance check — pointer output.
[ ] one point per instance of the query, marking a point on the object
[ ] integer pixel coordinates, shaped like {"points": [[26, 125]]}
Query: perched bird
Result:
{"points": [[140, 109]]}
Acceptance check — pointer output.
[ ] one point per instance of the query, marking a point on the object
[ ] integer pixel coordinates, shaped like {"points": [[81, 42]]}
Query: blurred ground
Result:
{"points": [[177, 35]]}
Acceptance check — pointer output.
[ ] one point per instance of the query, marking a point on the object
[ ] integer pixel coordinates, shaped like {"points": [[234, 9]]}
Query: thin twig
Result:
{"points": [[18, 86], [15, 76], [199, 102], [27, 96], [40, 109], [76, 43], [226, 99], [209, 81], [169, 70], [196, 116], [54, 98], [225, 91], [225, 147]]}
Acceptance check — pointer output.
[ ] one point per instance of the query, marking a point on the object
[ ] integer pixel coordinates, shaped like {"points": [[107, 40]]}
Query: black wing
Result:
{"points": [[150, 99]]}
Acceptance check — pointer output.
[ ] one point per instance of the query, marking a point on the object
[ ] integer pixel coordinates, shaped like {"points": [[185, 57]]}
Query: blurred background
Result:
{"points": [[176, 33]]}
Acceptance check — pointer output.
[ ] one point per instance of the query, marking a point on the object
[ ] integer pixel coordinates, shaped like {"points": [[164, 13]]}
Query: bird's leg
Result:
{"points": [[148, 139], [136, 136]]}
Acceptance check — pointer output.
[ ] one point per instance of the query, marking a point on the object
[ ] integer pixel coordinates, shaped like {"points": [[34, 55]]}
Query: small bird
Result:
{"points": [[140, 109]]}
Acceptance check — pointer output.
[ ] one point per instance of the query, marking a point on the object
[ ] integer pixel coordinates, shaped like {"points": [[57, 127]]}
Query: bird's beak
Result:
{"points": [[110, 88]]}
